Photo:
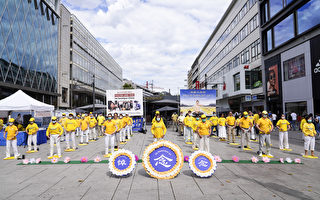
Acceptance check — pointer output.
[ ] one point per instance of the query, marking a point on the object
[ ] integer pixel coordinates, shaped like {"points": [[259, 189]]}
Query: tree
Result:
{"points": [[127, 86]]}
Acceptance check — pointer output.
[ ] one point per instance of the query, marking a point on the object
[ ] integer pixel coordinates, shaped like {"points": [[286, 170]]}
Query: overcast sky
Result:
{"points": [[151, 39]]}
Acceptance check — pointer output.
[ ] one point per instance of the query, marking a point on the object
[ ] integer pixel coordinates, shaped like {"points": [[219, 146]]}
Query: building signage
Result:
{"points": [[315, 66]]}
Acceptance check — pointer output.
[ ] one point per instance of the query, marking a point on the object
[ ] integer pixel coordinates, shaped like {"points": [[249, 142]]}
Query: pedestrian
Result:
{"points": [[180, 124], [92, 128], [303, 121], [265, 127], [110, 128], [188, 121], [123, 125], [127, 129], [294, 120], [32, 130], [117, 134], [78, 130], [11, 140], [84, 127], [252, 130], [203, 131], [195, 124], [309, 136], [155, 116], [214, 122], [100, 120], [222, 128], [174, 118], [238, 125], [274, 119], [70, 126], [231, 125], [245, 126], [158, 129], [54, 132], [283, 125], [62, 123], [130, 125]]}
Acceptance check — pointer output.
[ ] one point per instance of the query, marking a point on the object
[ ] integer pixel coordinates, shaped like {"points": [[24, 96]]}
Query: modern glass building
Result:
{"points": [[290, 33], [29, 49]]}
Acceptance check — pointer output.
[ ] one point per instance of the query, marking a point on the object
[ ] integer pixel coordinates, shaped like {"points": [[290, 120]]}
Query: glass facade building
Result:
{"points": [[29, 48]]}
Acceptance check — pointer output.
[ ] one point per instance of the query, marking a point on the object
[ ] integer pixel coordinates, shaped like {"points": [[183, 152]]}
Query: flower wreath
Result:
{"points": [[174, 171], [118, 172], [209, 171]]}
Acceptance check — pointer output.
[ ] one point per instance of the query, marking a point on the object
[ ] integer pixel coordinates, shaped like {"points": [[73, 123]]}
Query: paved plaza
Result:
{"points": [[230, 181]]}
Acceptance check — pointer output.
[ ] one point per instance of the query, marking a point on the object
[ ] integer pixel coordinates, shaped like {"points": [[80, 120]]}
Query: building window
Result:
{"points": [[269, 40], [275, 6], [236, 61], [248, 79], [256, 78], [236, 81], [294, 68], [298, 107], [284, 31], [308, 16], [64, 95], [245, 57]]}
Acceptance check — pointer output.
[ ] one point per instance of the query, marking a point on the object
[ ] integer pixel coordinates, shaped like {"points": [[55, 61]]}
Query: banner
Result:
{"points": [[199, 101], [125, 102]]}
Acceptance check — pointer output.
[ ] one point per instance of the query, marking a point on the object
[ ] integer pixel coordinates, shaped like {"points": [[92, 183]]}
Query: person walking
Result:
{"points": [[195, 124], [231, 126], [214, 121], [70, 126], [174, 118], [100, 120], [188, 121], [294, 120], [32, 130], [92, 128], [180, 124], [117, 134], [11, 140], [222, 128], [309, 137], [54, 132], [62, 123], [110, 128], [265, 127], [203, 130], [158, 129], [84, 127], [245, 125], [283, 125]]}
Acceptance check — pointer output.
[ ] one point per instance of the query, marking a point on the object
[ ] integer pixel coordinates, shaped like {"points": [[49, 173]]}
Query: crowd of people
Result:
{"points": [[116, 130]]}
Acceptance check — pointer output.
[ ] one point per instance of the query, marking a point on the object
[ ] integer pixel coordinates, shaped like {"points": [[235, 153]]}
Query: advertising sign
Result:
{"points": [[273, 81], [199, 101], [315, 68], [125, 102]]}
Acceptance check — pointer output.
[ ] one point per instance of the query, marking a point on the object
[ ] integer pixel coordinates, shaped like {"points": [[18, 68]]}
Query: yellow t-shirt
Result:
{"points": [[174, 117], [204, 128], [251, 118], [195, 124], [92, 122], [255, 118], [222, 121], [303, 121], [78, 122], [110, 127], [245, 122], [188, 121], [154, 119], [118, 123], [214, 120], [238, 122], [158, 129], [11, 132], [130, 121], [54, 129], [283, 125], [309, 129], [62, 121], [230, 120], [265, 125], [70, 125], [32, 128], [101, 119], [84, 124], [1, 124]]}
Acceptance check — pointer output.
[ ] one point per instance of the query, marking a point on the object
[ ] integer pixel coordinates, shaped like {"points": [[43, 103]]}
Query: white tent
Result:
{"points": [[21, 101]]}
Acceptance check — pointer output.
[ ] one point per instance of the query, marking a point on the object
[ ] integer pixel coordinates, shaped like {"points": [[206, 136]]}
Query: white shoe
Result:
{"points": [[260, 154]]}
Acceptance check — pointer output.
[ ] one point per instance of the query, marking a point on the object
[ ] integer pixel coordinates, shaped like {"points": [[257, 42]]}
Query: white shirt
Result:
{"points": [[181, 118], [274, 117], [294, 116]]}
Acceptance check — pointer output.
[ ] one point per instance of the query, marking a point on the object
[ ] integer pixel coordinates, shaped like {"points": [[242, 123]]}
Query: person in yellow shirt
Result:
{"points": [[214, 122], [70, 126], [252, 132], [309, 136], [123, 125], [78, 130], [158, 129], [231, 124], [92, 128], [155, 116], [1, 124], [110, 129], [238, 124], [195, 124], [180, 124], [303, 121], [188, 121], [54, 132], [245, 125], [117, 136], [174, 118], [222, 128], [203, 130], [283, 125], [265, 127], [11, 139], [84, 128], [62, 123], [127, 128], [100, 120], [32, 130], [130, 125]]}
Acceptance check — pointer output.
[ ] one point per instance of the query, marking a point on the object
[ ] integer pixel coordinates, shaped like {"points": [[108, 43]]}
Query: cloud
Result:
{"points": [[151, 39]]}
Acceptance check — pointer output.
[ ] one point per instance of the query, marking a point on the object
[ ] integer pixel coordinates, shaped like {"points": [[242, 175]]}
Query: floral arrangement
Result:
{"points": [[281, 160], [186, 159], [288, 160], [84, 159], [25, 161], [266, 159], [297, 160], [38, 160], [67, 160], [136, 157], [32, 160], [235, 159], [194, 167], [217, 158], [254, 159], [114, 170], [97, 159], [54, 160]]}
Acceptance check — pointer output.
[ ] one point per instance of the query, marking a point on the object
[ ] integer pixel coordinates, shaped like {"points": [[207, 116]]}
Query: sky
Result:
{"points": [[151, 39]]}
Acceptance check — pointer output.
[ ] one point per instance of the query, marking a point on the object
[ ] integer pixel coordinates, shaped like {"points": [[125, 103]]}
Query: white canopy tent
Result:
{"points": [[20, 101]]}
